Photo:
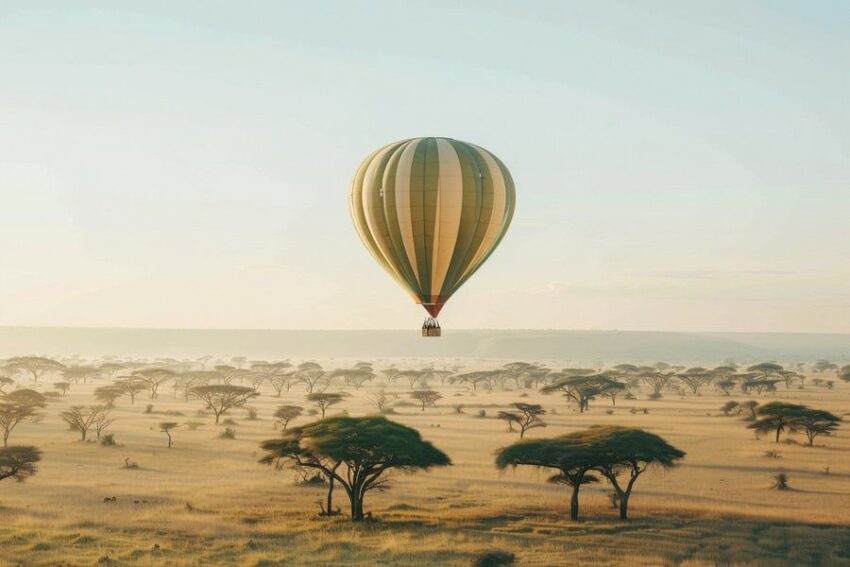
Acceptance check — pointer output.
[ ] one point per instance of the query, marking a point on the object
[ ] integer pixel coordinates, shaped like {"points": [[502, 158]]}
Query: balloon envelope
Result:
{"points": [[431, 211]]}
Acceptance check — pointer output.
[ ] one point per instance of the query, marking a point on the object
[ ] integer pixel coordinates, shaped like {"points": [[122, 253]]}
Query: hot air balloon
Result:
{"points": [[431, 211]]}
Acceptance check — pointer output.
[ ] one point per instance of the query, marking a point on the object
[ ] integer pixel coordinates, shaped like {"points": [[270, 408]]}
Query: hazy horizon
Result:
{"points": [[186, 165]]}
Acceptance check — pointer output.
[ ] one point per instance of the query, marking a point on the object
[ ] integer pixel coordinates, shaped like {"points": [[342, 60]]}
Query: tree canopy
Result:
{"points": [[18, 462], [366, 447]]}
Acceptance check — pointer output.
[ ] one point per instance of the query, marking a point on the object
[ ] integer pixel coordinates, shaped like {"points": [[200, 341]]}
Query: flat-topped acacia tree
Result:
{"points": [[18, 462], [36, 366], [154, 378], [776, 417], [611, 451], [524, 416], [354, 452], [325, 400], [426, 398], [222, 397], [16, 407]]}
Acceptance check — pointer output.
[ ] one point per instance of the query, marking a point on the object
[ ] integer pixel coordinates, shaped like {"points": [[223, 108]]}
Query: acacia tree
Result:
{"points": [[725, 385], [108, 394], [766, 369], [18, 462], [324, 400], [77, 374], [365, 447], [567, 454], [16, 407], [730, 407], [525, 417], [36, 366], [426, 397], [381, 400], [749, 407], [154, 378], [354, 376], [130, 386], [519, 370], [82, 419], [276, 375], [5, 381], [695, 378], [630, 452], [776, 416], [815, 422], [222, 397], [609, 450], [166, 427], [311, 377], [284, 414], [582, 389], [63, 387], [657, 381]]}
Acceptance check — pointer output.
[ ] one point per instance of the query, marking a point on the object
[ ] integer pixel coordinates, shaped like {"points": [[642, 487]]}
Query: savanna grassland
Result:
{"points": [[208, 501]]}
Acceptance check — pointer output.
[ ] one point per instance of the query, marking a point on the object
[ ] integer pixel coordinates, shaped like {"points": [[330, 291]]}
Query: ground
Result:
{"points": [[207, 501]]}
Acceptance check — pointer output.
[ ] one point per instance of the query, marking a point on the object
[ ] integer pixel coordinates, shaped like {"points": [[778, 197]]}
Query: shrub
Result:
{"points": [[228, 433], [193, 425], [108, 440], [494, 559], [482, 413], [655, 396], [781, 482], [772, 454], [228, 421], [251, 413], [149, 408]]}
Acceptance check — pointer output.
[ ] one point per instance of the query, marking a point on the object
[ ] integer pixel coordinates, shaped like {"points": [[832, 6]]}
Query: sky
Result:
{"points": [[680, 166]]}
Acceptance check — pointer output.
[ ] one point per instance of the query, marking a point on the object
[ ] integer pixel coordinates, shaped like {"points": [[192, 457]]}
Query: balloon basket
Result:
{"points": [[431, 327]]}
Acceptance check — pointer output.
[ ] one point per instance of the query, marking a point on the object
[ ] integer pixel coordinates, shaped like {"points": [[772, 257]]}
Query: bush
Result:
{"points": [[108, 440], [655, 396], [772, 454], [251, 413], [781, 482], [193, 425], [228, 421], [494, 559], [482, 413], [228, 433], [149, 408]]}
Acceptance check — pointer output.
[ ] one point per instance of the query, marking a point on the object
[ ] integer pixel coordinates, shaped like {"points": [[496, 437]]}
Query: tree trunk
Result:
{"points": [[574, 503], [574, 498], [624, 505], [356, 506], [330, 496], [778, 429]]}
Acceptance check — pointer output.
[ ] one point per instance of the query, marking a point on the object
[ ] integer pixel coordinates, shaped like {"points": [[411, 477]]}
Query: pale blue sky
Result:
{"points": [[679, 165]]}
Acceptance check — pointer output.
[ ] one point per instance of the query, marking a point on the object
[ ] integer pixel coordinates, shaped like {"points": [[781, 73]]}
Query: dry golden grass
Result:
{"points": [[716, 509]]}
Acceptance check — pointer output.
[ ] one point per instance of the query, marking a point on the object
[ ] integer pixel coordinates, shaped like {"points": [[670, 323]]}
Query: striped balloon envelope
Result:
{"points": [[431, 211]]}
